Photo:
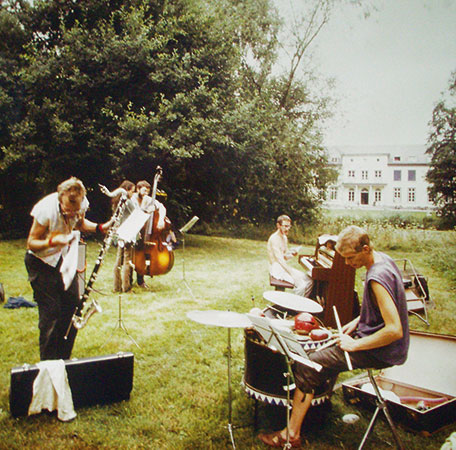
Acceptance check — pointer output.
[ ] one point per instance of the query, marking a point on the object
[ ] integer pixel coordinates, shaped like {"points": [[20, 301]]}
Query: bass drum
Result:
{"points": [[263, 374]]}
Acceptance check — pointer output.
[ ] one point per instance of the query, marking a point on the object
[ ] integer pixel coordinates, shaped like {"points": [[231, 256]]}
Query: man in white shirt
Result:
{"points": [[278, 255], [55, 217]]}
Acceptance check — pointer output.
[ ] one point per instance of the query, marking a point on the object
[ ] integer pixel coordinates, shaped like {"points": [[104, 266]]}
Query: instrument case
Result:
{"points": [[429, 373], [96, 380]]}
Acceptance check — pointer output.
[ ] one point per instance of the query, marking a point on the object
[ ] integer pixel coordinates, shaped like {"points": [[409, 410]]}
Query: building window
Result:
{"points": [[333, 193], [351, 174], [411, 195], [397, 175], [397, 194], [412, 175], [351, 195], [378, 196], [364, 197], [378, 174], [364, 174], [397, 158]]}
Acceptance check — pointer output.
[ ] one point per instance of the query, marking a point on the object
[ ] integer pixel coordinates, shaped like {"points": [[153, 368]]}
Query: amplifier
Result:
{"points": [[93, 381]]}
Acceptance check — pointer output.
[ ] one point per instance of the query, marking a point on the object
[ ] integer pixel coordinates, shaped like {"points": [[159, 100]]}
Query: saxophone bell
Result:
{"points": [[81, 321]]}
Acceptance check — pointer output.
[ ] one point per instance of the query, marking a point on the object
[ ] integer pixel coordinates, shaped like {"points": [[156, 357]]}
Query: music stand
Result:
{"points": [[228, 320], [120, 324], [183, 231], [285, 342]]}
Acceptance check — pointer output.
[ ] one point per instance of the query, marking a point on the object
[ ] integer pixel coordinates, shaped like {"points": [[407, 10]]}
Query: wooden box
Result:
{"points": [[429, 373]]}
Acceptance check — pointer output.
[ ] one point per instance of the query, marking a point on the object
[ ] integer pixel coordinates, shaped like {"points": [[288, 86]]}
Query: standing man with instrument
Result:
{"points": [[142, 200], [278, 255], [51, 261]]}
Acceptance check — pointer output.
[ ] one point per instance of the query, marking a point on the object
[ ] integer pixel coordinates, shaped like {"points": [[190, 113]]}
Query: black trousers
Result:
{"points": [[55, 307]]}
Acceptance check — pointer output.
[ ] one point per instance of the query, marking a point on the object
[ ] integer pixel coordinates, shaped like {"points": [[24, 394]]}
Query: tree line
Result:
{"points": [[107, 90]]}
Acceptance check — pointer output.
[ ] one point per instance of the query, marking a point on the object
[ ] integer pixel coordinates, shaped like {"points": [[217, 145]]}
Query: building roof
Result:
{"points": [[397, 154]]}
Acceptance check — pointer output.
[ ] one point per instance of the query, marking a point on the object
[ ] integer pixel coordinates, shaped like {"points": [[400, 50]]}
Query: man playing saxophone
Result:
{"points": [[57, 220]]}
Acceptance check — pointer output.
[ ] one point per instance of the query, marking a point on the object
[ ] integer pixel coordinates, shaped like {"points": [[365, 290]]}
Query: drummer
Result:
{"points": [[378, 338], [279, 255]]}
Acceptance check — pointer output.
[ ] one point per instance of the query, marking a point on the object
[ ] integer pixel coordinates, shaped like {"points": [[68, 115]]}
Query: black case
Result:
{"points": [[96, 380]]}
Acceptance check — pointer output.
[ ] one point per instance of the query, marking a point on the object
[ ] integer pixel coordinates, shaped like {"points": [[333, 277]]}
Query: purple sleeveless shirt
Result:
{"points": [[387, 274]]}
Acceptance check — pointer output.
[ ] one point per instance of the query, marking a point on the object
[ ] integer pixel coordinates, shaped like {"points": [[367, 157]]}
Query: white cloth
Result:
{"points": [[70, 260], [51, 390], [279, 273], [450, 442], [47, 213]]}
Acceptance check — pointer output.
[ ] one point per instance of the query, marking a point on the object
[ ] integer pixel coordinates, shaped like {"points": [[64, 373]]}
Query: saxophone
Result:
{"points": [[87, 309]]}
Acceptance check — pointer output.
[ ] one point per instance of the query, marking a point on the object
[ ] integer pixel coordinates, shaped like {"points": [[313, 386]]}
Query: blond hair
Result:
{"points": [[352, 238], [73, 188]]}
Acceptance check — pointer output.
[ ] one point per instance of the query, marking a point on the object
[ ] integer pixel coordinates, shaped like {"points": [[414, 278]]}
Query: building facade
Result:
{"points": [[390, 177]]}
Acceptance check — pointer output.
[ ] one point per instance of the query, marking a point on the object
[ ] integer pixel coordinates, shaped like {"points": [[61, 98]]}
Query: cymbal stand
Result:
{"points": [[120, 325], [288, 375]]}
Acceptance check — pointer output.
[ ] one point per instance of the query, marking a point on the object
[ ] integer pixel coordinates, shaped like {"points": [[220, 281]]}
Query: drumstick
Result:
{"points": [[339, 327], [328, 344]]}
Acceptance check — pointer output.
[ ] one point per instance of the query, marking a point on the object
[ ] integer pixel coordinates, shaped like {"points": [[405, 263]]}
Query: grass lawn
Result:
{"points": [[180, 393]]}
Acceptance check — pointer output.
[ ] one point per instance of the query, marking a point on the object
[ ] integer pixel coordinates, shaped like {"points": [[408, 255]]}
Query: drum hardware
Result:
{"points": [[183, 231], [228, 320], [292, 301], [283, 341]]}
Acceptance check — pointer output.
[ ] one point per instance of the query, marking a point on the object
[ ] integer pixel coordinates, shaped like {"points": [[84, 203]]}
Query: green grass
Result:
{"points": [[180, 398]]}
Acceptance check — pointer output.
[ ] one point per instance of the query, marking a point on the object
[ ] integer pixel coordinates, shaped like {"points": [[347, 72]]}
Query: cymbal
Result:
{"points": [[227, 319], [292, 301]]}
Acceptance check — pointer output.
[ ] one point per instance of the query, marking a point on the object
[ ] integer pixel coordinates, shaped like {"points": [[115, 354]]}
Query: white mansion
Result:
{"points": [[373, 177]]}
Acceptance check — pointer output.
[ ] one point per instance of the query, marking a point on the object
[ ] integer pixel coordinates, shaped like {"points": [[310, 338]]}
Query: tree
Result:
{"points": [[442, 148], [109, 89]]}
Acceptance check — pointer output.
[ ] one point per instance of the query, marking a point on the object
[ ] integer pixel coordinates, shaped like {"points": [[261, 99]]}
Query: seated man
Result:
{"points": [[378, 338], [278, 255]]}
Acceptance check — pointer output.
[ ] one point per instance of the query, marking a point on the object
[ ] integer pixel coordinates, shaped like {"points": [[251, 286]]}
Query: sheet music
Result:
{"points": [[132, 226], [189, 224], [282, 340], [70, 261]]}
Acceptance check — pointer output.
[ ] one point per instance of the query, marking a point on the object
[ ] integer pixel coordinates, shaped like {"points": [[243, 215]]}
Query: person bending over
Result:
{"points": [[55, 217]]}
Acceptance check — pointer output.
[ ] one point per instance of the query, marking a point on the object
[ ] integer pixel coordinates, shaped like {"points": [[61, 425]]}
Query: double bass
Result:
{"points": [[154, 257]]}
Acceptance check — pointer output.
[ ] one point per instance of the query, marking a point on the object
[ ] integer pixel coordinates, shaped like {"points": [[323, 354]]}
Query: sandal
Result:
{"points": [[276, 440]]}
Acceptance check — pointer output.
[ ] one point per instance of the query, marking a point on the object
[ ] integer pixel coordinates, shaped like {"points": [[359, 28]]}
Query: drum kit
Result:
{"points": [[231, 319]]}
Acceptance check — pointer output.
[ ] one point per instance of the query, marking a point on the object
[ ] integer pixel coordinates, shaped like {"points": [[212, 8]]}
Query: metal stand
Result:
{"points": [[230, 409], [288, 375], [120, 325], [227, 319], [183, 266], [183, 231], [381, 407]]}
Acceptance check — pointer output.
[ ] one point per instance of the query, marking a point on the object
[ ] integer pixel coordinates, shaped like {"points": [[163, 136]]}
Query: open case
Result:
{"points": [[423, 390]]}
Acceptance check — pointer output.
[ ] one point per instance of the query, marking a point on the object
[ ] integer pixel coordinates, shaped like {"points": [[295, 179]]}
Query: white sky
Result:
{"points": [[390, 68]]}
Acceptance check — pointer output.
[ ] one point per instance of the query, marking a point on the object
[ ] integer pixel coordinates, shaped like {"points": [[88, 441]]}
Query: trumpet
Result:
{"points": [[86, 310]]}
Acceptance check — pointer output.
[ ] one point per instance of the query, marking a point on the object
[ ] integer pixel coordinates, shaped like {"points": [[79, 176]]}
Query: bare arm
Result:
{"points": [[39, 238], [392, 331]]}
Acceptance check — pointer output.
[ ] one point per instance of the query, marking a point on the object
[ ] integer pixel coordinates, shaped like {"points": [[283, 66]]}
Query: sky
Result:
{"points": [[390, 69]]}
